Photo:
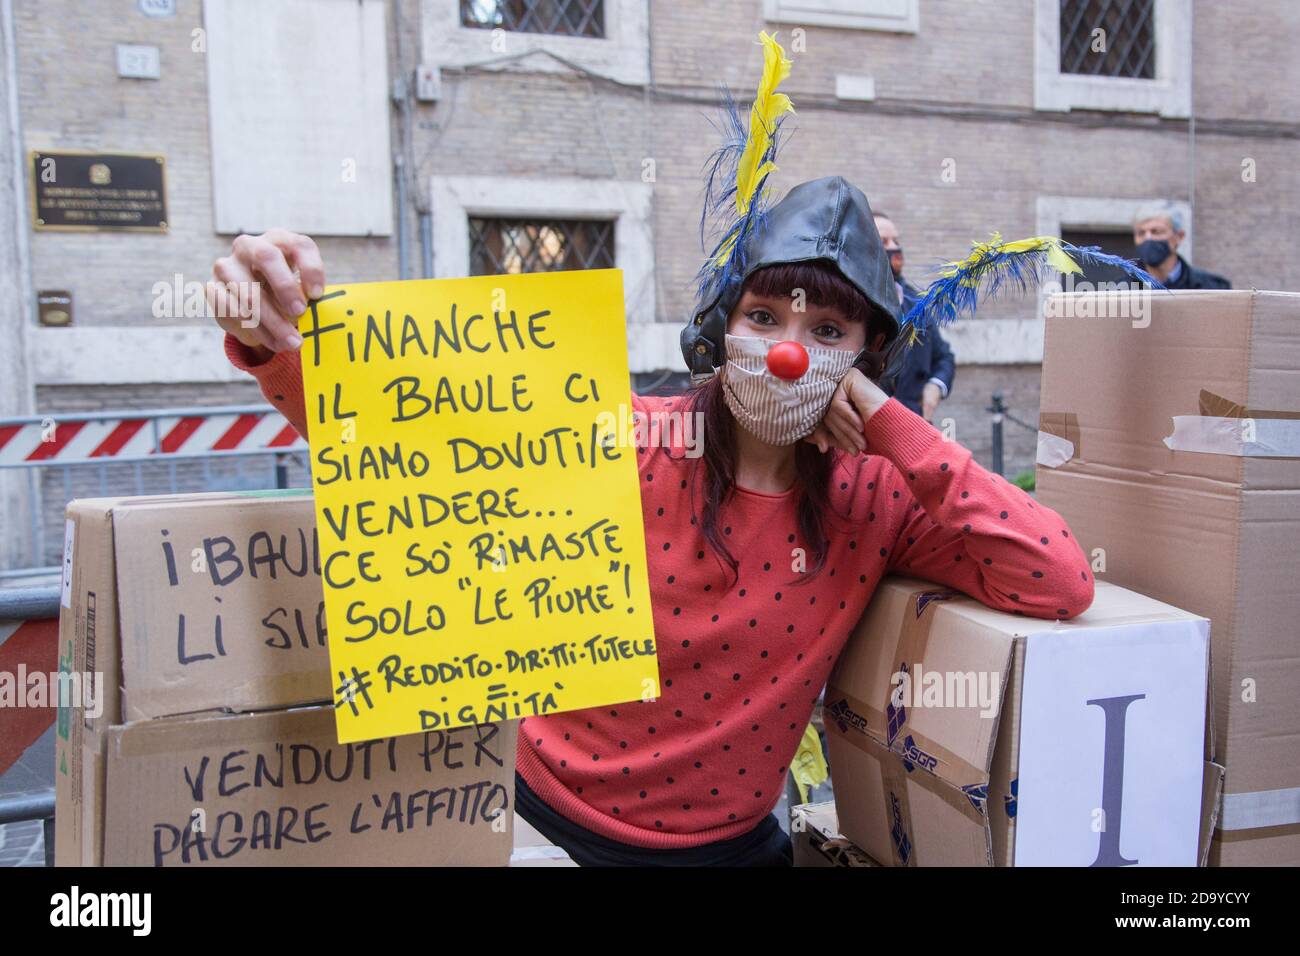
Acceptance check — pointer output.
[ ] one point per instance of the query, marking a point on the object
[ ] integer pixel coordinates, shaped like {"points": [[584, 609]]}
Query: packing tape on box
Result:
{"points": [[895, 780], [1240, 437], [893, 783], [1053, 451], [1225, 427], [913, 639], [1058, 438], [893, 769], [955, 768], [1213, 405], [1260, 808]]}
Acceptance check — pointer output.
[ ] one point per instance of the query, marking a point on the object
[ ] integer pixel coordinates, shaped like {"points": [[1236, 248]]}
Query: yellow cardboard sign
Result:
{"points": [[479, 515]]}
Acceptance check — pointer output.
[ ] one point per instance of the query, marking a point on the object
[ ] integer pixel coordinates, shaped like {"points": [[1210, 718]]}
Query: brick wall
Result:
{"points": [[956, 95], [974, 55], [71, 98]]}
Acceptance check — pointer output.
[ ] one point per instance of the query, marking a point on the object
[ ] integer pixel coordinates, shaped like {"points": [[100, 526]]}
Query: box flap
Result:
{"points": [[1211, 794], [931, 690]]}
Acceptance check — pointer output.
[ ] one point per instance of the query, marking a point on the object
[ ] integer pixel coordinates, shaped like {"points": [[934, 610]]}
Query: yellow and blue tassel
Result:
{"points": [[735, 196], [994, 265]]}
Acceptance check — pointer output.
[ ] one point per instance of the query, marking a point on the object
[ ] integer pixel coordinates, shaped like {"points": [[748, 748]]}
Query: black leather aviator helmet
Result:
{"points": [[827, 218]]}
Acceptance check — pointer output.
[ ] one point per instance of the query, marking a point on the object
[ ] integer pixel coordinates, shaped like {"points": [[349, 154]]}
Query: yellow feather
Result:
{"points": [[1060, 260], [808, 766], [768, 105], [724, 251], [1057, 257]]}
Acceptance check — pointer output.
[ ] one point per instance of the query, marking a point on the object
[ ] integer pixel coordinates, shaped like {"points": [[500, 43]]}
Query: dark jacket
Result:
{"points": [[929, 358], [1191, 278]]}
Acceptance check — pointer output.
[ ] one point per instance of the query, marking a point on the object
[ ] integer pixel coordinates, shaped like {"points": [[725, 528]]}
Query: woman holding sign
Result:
{"points": [[764, 552]]}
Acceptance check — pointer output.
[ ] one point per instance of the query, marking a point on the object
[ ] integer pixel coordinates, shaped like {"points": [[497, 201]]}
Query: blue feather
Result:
{"points": [[722, 165]]}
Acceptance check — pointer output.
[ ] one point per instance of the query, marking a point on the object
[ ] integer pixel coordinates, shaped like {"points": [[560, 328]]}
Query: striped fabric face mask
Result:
{"points": [[774, 410]]}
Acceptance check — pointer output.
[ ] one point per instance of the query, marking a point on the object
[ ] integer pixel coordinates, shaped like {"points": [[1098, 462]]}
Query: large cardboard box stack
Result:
{"points": [[211, 739], [963, 736], [1170, 442]]}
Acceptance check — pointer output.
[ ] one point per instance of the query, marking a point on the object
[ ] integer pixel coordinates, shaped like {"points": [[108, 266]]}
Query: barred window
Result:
{"points": [[1114, 38], [573, 18], [500, 246]]}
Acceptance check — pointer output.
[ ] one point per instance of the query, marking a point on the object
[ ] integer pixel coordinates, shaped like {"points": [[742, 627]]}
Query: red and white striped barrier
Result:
{"points": [[96, 439]]}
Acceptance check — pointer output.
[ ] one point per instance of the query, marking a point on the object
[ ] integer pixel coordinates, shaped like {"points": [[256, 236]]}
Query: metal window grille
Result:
{"points": [[574, 18], [1109, 38], [511, 246]]}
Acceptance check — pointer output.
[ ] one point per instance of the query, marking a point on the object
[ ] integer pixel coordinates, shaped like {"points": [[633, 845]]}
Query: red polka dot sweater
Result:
{"points": [[741, 665]]}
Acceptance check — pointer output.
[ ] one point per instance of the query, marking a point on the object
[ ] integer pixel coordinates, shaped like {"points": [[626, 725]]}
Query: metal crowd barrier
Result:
{"points": [[30, 604], [202, 435]]}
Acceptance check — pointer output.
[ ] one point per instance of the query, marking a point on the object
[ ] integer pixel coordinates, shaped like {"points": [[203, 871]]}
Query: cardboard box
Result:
{"points": [[276, 789], [817, 841], [960, 735], [199, 602], [1176, 462], [177, 752]]}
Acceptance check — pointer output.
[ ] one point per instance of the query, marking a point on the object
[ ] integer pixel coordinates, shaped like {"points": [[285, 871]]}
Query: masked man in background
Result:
{"points": [[1157, 233], [928, 367]]}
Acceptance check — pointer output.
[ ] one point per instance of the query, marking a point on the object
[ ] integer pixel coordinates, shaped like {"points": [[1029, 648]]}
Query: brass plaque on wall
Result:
{"points": [[88, 191]]}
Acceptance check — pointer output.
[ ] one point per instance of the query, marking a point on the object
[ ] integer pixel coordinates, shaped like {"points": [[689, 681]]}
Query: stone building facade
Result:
{"points": [[396, 134]]}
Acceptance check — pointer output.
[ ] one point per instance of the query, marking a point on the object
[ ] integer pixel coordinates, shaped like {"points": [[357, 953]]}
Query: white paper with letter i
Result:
{"points": [[1112, 745]]}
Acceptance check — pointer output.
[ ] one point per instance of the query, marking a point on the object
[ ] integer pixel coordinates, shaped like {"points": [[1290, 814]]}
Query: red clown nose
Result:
{"points": [[787, 360]]}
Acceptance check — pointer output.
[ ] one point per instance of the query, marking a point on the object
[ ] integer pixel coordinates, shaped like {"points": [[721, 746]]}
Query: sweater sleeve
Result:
{"points": [[965, 527], [279, 377]]}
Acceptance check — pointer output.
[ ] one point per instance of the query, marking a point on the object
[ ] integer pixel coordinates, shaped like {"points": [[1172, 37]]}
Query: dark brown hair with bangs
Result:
{"points": [[823, 285]]}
